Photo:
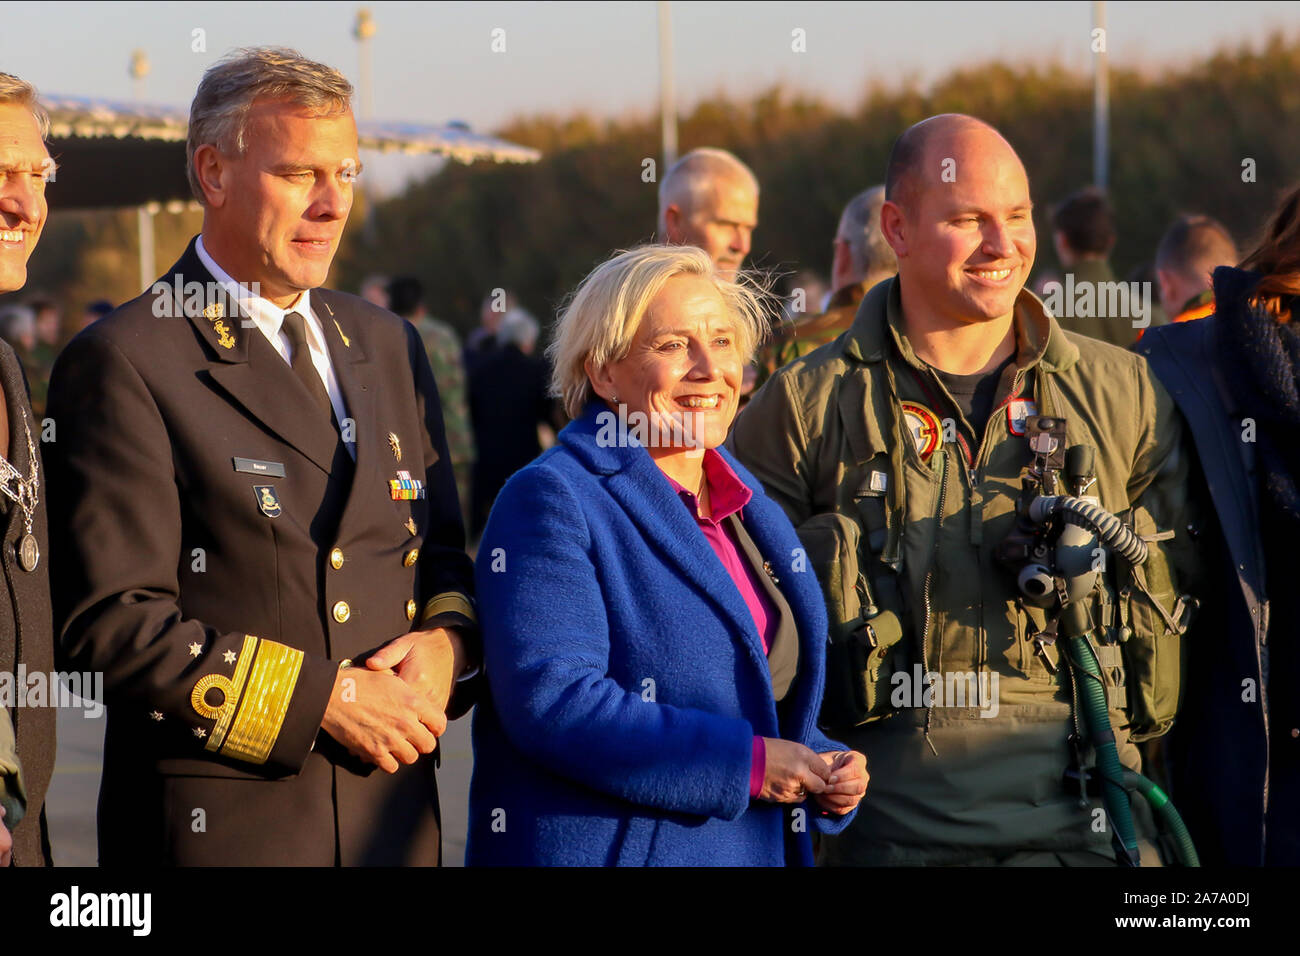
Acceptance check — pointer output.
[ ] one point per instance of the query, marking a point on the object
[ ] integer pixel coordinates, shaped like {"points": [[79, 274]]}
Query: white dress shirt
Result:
{"points": [[269, 319]]}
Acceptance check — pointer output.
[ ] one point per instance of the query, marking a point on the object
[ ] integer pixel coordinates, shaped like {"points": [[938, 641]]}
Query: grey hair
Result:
{"points": [[518, 328], [228, 90], [689, 181], [860, 228], [14, 90], [601, 319]]}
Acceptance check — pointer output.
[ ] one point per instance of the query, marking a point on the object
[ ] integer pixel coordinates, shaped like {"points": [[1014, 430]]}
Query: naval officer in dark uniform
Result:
{"points": [[261, 546]]}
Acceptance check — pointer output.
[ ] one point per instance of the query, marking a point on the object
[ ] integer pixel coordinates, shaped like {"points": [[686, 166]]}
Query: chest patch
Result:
{"points": [[923, 425], [1018, 414]]}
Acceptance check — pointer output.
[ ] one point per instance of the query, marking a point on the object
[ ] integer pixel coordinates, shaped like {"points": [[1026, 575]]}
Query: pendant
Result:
{"points": [[29, 553]]}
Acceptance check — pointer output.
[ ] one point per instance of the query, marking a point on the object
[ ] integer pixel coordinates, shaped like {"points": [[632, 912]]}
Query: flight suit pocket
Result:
{"points": [[862, 634], [1153, 621]]}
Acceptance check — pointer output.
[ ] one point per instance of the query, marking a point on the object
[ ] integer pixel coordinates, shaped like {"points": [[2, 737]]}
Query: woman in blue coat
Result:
{"points": [[653, 637]]}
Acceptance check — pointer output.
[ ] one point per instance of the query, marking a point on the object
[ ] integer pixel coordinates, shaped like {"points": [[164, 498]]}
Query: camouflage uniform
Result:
{"points": [[443, 348]]}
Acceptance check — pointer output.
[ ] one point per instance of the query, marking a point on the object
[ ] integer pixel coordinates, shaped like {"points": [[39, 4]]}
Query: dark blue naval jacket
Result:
{"points": [[627, 676], [1220, 748]]}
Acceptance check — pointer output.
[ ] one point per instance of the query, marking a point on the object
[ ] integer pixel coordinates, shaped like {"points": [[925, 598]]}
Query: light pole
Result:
{"points": [[138, 70], [1100, 96], [667, 95], [363, 30]]}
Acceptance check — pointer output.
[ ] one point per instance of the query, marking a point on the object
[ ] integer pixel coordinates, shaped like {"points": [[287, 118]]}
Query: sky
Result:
{"points": [[434, 62]]}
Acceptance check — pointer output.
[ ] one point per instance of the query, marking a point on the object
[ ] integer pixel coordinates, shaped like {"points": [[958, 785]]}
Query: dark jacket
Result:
{"points": [[507, 401], [26, 629], [1220, 749], [219, 554], [627, 677]]}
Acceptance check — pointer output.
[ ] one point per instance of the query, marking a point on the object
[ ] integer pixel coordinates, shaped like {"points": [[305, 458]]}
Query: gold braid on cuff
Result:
{"points": [[254, 701], [448, 602]]}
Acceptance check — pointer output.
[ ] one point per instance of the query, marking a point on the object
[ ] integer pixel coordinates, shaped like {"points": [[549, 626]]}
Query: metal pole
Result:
{"points": [[1100, 97], [363, 29], [667, 95], [144, 219]]}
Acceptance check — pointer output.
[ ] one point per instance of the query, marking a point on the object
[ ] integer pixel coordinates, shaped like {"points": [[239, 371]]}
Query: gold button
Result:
{"points": [[411, 557], [336, 558], [342, 612], [410, 610]]}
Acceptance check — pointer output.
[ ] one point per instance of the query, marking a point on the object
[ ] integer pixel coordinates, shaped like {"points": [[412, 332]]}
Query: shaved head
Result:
{"points": [[916, 159], [958, 216]]}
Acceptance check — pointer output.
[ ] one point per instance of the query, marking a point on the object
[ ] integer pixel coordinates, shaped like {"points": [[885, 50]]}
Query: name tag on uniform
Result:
{"points": [[252, 466], [405, 488]]}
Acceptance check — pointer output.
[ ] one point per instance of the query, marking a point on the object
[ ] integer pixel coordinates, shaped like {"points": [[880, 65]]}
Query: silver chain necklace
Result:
{"points": [[26, 494]]}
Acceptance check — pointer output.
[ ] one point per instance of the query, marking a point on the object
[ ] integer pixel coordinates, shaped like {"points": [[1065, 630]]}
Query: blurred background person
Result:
{"points": [[94, 312], [1083, 232], [509, 401], [1235, 752], [483, 340], [709, 199], [861, 259], [18, 328], [1189, 252], [374, 289], [655, 671], [404, 296], [49, 339]]}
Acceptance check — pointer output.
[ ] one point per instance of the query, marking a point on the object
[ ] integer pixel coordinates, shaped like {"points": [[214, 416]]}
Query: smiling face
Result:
{"points": [[965, 247], [275, 215], [23, 172], [684, 365]]}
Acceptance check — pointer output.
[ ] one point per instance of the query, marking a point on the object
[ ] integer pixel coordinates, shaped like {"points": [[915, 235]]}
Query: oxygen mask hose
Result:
{"points": [[1097, 719], [1164, 809]]}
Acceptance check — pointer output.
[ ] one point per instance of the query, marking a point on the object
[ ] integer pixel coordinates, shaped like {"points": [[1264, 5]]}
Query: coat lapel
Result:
{"points": [[360, 388], [245, 365], [643, 491]]}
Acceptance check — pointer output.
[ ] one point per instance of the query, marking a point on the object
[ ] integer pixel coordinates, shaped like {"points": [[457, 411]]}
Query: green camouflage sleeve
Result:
{"points": [[12, 796]]}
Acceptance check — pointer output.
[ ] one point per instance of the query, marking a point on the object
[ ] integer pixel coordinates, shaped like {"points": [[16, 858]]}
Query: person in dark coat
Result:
{"points": [[508, 399], [653, 641], [261, 547], [27, 733], [1235, 752]]}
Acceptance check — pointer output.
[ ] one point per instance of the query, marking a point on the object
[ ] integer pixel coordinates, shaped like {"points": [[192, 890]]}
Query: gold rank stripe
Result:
{"points": [[264, 703], [227, 715], [448, 601]]}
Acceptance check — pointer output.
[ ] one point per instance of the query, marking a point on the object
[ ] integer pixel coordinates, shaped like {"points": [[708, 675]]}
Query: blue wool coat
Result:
{"points": [[627, 677]]}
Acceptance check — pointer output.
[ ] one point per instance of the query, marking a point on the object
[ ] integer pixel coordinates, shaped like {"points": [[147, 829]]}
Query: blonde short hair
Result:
{"points": [[14, 90], [228, 90], [604, 313]]}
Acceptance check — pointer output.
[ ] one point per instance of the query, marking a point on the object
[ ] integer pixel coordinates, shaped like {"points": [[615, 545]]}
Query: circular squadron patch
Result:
{"points": [[924, 427]]}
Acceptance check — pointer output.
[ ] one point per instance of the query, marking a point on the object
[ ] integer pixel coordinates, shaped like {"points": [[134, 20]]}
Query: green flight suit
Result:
{"points": [[829, 435], [12, 797]]}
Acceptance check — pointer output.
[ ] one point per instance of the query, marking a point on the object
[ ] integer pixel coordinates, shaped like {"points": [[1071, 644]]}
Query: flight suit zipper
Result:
{"points": [[925, 594]]}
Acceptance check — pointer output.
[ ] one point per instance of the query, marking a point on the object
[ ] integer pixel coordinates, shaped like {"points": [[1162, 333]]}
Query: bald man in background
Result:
{"points": [[709, 199], [897, 451]]}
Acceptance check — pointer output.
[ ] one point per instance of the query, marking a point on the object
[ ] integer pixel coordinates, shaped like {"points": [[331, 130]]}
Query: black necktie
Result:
{"points": [[296, 328]]}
